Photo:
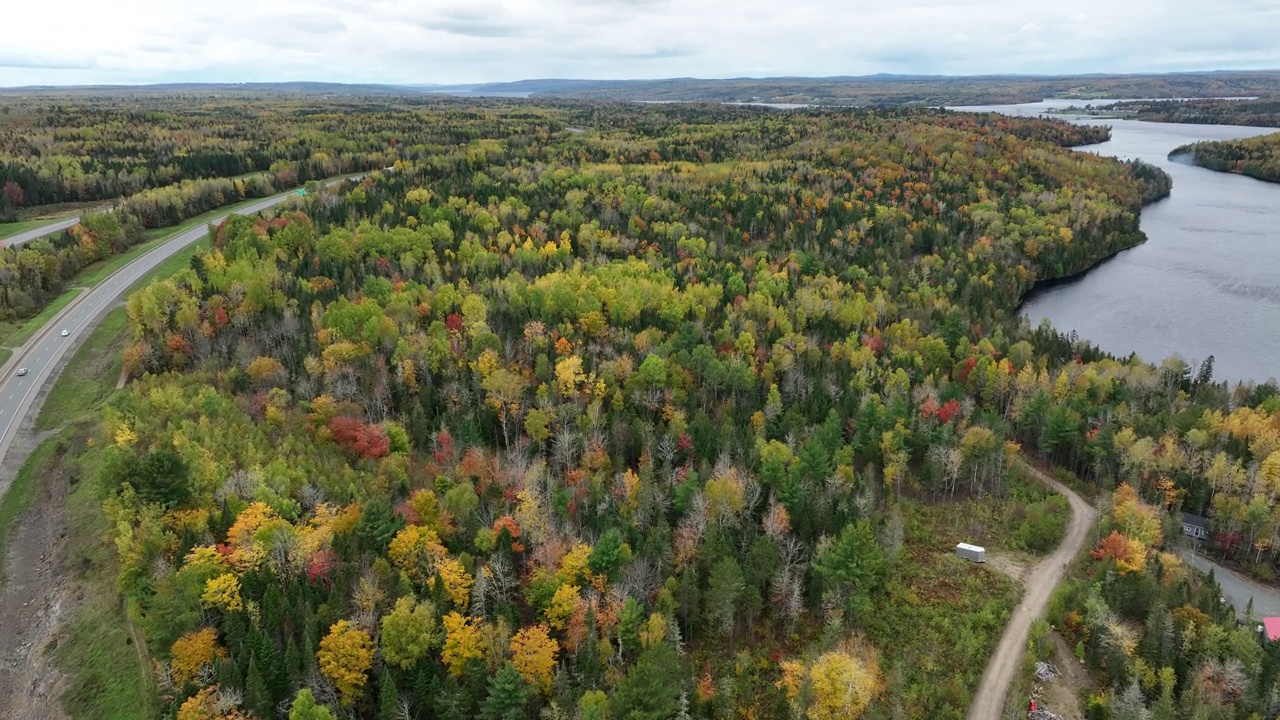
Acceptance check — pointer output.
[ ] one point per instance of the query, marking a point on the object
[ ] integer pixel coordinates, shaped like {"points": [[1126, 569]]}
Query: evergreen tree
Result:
{"points": [[388, 698], [257, 695], [508, 696], [854, 566], [651, 690], [723, 592], [587, 655], [295, 667]]}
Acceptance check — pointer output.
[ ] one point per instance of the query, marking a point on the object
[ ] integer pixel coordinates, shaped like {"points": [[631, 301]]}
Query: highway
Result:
{"points": [[23, 238], [42, 353]]}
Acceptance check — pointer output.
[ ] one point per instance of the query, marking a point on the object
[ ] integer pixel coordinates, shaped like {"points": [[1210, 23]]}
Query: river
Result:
{"points": [[1206, 282]]}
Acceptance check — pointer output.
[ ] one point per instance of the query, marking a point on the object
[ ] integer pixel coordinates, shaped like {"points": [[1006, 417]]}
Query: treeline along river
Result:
{"points": [[1206, 282]]}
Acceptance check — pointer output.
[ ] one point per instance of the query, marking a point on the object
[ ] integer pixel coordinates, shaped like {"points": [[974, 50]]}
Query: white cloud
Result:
{"points": [[447, 41]]}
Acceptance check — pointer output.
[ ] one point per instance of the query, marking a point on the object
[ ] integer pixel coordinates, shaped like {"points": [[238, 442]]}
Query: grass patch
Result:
{"points": [[1029, 519], [937, 624], [22, 491], [91, 375], [16, 333], [108, 674], [8, 230], [4, 355]]}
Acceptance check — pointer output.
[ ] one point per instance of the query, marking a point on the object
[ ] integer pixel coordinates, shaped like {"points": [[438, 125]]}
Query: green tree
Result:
{"points": [[388, 698], [609, 554], [508, 696], [853, 566], [593, 705], [724, 590], [409, 632], [651, 689], [257, 696], [305, 707]]}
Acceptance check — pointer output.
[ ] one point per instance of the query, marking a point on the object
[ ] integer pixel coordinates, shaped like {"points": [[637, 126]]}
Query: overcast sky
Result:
{"points": [[459, 41]]}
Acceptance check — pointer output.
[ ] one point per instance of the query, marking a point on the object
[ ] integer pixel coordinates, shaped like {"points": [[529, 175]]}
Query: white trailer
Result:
{"points": [[972, 553]]}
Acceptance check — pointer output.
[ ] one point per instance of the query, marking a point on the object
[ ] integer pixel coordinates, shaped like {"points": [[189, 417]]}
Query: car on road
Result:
{"points": [[22, 371], [66, 333]]}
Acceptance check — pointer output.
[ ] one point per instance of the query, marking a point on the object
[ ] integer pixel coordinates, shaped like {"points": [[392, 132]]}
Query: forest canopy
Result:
{"points": [[595, 410]]}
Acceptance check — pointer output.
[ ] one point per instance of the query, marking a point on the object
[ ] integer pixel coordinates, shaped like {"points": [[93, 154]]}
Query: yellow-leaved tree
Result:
{"points": [[563, 605], [839, 685], [345, 656], [461, 643], [222, 592], [192, 652], [533, 652], [457, 583], [843, 685]]}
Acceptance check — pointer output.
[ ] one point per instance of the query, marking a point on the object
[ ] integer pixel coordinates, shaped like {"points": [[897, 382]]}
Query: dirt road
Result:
{"points": [[988, 701]]}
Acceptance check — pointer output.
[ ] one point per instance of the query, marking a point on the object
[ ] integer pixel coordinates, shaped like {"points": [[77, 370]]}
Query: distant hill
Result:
{"points": [[291, 88], [889, 89], [880, 89]]}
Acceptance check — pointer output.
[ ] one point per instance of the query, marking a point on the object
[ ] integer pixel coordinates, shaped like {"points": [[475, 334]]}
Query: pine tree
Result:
{"points": [[587, 657], [388, 698], [651, 690], [507, 696], [723, 593], [294, 666], [424, 687], [257, 696], [1165, 707]]}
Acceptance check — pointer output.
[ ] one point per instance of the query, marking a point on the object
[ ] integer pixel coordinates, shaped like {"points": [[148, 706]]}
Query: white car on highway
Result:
{"points": [[66, 333], [22, 371]]}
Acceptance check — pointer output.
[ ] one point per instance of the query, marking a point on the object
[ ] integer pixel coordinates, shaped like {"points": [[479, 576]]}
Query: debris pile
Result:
{"points": [[1046, 671], [1042, 715]]}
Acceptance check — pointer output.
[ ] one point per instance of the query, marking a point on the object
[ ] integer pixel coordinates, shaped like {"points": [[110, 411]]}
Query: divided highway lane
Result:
{"points": [[23, 238], [41, 354]]}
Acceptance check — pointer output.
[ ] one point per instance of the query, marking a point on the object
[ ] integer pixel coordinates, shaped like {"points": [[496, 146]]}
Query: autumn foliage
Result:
{"points": [[345, 656]]}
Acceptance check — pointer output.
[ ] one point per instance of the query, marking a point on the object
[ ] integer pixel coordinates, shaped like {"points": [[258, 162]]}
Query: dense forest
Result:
{"points": [[1258, 157], [1259, 112], [639, 412], [75, 149], [925, 90]]}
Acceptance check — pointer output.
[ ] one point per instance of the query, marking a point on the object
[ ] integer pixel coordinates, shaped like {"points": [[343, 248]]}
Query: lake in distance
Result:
{"points": [[1206, 281]]}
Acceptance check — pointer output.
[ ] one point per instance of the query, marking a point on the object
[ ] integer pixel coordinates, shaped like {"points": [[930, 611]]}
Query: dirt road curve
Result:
{"points": [[988, 701]]}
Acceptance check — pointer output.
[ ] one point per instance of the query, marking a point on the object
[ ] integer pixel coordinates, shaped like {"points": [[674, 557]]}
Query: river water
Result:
{"points": [[1206, 282]]}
